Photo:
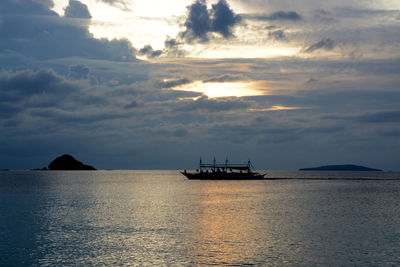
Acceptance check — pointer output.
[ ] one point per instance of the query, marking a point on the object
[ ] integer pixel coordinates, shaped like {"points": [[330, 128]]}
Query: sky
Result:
{"points": [[134, 84]]}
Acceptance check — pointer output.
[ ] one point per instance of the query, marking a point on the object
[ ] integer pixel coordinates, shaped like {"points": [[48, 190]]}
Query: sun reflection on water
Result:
{"points": [[224, 225]]}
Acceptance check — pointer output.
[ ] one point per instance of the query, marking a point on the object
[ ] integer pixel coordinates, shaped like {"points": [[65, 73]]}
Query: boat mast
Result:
{"points": [[214, 163], [226, 164]]}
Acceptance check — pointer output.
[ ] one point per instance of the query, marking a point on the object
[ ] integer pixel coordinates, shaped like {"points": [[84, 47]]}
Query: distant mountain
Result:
{"points": [[67, 162], [347, 167]]}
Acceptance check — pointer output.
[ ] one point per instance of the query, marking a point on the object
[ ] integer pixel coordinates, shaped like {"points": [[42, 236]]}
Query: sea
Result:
{"points": [[159, 218]]}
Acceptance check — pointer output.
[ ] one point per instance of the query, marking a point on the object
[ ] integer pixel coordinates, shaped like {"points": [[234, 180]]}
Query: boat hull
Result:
{"points": [[223, 176]]}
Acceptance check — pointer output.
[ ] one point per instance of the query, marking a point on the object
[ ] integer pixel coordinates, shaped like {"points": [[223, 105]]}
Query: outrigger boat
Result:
{"points": [[225, 171]]}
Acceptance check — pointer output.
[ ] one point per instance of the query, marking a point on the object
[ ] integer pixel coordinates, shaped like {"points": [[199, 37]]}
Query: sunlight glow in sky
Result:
{"points": [[143, 24], [159, 82], [274, 108], [243, 51], [223, 89]]}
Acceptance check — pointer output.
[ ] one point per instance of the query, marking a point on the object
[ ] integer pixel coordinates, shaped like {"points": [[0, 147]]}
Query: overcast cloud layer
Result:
{"points": [[335, 101]]}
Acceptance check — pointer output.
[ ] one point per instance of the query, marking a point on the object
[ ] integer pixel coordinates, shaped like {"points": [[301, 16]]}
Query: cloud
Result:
{"points": [[312, 80], [172, 47], [111, 2], [62, 116], [212, 105], [27, 7], [133, 104], [200, 21], [279, 15], [326, 44], [173, 83], [78, 72], [323, 130], [118, 3], [26, 83], [171, 43], [76, 9], [32, 96], [277, 35], [282, 15], [130, 109], [390, 133], [353, 12], [380, 117], [42, 34], [8, 110], [324, 16], [28, 89], [223, 19], [249, 132], [148, 51], [225, 78], [384, 118]]}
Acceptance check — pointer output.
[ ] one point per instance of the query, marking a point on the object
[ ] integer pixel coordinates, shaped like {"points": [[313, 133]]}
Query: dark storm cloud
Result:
{"points": [[322, 130], [43, 95], [76, 9], [212, 105], [171, 43], [277, 35], [380, 117], [172, 47], [173, 83], [27, 7], [326, 44], [255, 132], [200, 21], [279, 15], [117, 3], [111, 2], [324, 16], [352, 12], [223, 19], [128, 108], [47, 35], [133, 104], [271, 27], [24, 90], [8, 109], [225, 78], [26, 83], [79, 72], [148, 51], [390, 133], [312, 80], [28, 89], [282, 15], [145, 50], [62, 116]]}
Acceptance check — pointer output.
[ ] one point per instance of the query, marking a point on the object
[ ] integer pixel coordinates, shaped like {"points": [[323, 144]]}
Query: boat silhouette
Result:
{"points": [[225, 171]]}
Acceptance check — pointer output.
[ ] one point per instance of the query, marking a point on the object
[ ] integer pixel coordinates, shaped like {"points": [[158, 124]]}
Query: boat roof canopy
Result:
{"points": [[226, 166]]}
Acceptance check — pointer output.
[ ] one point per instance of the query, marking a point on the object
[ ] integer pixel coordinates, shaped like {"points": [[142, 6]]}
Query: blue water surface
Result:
{"points": [[161, 218]]}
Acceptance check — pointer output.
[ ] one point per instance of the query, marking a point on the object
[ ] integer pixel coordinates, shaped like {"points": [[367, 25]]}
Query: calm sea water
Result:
{"points": [[161, 218]]}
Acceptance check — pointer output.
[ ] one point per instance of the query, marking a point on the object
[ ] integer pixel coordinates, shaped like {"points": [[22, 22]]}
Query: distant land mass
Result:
{"points": [[68, 163], [347, 167]]}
